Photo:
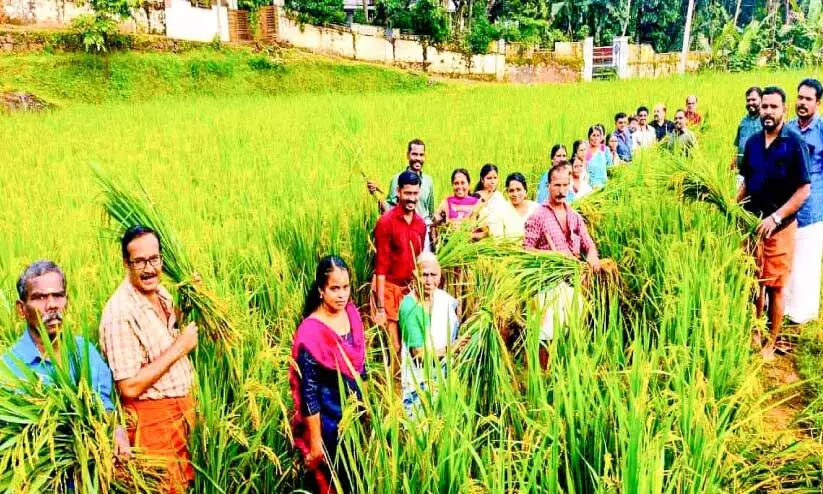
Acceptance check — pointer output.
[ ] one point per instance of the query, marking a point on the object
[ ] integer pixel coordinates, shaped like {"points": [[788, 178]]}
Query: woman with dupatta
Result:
{"points": [[329, 347]]}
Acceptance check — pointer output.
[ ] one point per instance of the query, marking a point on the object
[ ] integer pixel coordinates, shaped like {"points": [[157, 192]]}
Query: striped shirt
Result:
{"points": [[132, 335], [544, 232]]}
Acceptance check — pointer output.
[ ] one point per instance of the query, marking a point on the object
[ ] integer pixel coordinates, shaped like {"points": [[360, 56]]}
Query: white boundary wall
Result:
{"points": [[194, 23]]}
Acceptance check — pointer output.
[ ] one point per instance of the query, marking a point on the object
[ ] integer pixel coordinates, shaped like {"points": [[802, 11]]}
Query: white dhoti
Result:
{"points": [[559, 304], [803, 291]]}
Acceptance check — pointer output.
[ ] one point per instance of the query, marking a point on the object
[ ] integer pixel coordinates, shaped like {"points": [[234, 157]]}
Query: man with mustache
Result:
{"points": [[645, 136], [749, 125], [42, 301], [148, 355], [775, 185], [681, 139], [399, 237], [555, 226], [416, 156], [803, 291], [692, 117]]}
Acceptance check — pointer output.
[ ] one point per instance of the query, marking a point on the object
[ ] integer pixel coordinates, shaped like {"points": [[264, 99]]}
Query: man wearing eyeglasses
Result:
{"points": [[148, 356]]}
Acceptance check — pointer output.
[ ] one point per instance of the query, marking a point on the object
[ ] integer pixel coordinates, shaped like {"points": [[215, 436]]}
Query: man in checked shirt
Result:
{"points": [[556, 227], [148, 356]]}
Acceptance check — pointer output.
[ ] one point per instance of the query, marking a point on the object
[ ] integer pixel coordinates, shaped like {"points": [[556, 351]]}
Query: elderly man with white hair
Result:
{"points": [[428, 325]]}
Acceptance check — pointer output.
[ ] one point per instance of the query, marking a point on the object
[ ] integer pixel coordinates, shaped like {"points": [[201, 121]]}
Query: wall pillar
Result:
{"points": [[588, 58]]}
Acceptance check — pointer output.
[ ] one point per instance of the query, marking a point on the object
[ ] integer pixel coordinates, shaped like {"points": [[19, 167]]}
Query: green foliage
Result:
{"points": [[482, 34], [321, 12], [99, 29], [429, 19]]}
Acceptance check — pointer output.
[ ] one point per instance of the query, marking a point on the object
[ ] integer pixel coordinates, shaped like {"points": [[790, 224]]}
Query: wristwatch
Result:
{"points": [[777, 219]]}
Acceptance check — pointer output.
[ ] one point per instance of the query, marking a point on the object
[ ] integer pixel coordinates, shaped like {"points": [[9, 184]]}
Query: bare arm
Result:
{"points": [[795, 201], [741, 192], [136, 385]]}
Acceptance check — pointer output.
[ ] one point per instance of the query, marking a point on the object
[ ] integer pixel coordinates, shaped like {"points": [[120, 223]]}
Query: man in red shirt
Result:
{"points": [[692, 116], [399, 237]]}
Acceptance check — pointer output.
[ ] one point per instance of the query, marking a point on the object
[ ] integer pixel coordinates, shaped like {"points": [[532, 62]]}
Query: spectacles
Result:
{"points": [[140, 264]]}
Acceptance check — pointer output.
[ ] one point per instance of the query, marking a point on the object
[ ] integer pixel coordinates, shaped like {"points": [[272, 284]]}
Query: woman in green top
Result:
{"points": [[428, 324]]}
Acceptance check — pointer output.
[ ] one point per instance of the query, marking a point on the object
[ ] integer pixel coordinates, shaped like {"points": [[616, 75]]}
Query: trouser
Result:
{"points": [[803, 290], [161, 428]]}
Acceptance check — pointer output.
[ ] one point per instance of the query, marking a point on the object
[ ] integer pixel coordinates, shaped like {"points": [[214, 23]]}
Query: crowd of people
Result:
{"points": [[145, 351]]}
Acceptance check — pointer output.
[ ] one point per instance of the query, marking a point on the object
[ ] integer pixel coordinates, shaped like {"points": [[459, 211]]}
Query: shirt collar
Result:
{"points": [[143, 302], [814, 123], [26, 350]]}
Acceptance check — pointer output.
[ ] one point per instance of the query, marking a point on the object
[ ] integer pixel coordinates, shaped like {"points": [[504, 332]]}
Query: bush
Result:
{"points": [[321, 12], [481, 36]]}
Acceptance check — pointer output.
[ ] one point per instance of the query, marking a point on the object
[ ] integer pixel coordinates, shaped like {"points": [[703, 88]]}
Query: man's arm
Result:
{"points": [[136, 385], [588, 247], [381, 267]]}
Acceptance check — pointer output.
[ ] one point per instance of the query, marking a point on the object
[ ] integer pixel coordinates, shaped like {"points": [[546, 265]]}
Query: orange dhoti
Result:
{"points": [[160, 428]]}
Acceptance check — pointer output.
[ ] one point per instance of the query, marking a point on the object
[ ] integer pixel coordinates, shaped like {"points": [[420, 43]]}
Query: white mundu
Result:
{"points": [[803, 291]]}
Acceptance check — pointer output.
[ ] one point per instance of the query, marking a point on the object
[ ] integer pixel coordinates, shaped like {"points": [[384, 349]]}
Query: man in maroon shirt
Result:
{"points": [[399, 237]]}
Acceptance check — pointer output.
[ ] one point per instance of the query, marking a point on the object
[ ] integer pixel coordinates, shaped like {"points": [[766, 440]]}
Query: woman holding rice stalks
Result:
{"points": [[329, 348], [495, 213]]}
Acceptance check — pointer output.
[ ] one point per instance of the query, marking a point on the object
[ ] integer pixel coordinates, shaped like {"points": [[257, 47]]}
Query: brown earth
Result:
{"points": [[12, 101]]}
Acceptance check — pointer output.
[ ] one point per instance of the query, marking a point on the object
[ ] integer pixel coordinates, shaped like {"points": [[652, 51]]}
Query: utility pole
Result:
{"points": [[684, 53]]}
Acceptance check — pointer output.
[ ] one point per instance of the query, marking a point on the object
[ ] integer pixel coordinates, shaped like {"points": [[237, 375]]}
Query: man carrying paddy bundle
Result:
{"points": [[803, 291], [148, 356], [399, 237], [557, 227], [416, 156], [42, 300], [775, 185]]}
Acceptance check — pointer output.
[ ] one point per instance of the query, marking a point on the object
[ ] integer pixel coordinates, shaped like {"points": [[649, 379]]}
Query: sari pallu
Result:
{"points": [[332, 355]]}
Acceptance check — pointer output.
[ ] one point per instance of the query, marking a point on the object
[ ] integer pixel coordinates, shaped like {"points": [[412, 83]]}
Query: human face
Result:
{"points": [[335, 295], [460, 186], [145, 265], [596, 138], [516, 192], [577, 169], [622, 123], [408, 196], [490, 181], [559, 156], [45, 302], [680, 120], [559, 186], [429, 273], [772, 109], [753, 103], [633, 126], [691, 104], [417, 157], [643, 118], [807, 103], [660, 113], [581, 151], [613, 143]]}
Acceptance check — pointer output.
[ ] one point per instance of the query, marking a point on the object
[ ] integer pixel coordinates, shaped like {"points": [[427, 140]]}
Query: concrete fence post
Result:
{"points": [[588, 58], [621, 56]]}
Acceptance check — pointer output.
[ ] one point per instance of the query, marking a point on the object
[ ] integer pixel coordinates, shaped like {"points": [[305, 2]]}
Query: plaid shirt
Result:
{"points": [[132, 335], [542, 228]]}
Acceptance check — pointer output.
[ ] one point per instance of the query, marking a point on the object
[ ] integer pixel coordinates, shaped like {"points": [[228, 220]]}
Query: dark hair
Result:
{"points": [[555, 149], [485, 170], [632, 118], [775, 90], [556, 169], [576, 146], [593, 128], [408, 177], [134, 233], [35, 270], [517, 177], [415, 142], [321, 278], [641, 109], [462, 171], [814, 84], [679, 110], [619, 116], [608, 136], [755, 89]]}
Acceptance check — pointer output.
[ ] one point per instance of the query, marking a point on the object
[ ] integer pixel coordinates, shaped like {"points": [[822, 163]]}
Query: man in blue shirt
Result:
{"points": [[624, 137], [775, 185], [42, 302], [749, 125], [803, 291]]}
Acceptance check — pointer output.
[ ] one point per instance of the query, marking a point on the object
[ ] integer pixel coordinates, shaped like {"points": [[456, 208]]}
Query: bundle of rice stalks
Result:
{"points": [[57, 437], [129, 208], [697, 181]]}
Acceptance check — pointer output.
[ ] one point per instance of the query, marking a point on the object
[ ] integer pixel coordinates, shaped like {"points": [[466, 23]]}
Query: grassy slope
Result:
{"points": [[70, 77]]}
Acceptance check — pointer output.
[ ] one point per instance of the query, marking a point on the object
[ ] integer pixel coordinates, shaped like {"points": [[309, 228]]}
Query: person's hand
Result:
{"points": [[187, 339], [122, 448], [372, 186], [766, 227], [314, 458], [733, 163], [380, 317], [594, 262]]}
